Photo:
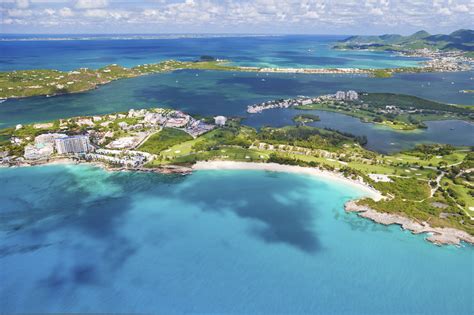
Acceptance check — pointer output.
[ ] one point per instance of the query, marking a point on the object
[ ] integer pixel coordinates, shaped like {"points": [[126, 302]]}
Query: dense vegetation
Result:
{"points": [[306, 118], [27, 83], [164, 139], [306, 137], [398, 111], [381, 100]]}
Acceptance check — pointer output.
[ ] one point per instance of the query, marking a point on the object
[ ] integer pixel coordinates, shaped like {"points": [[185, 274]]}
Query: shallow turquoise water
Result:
{"points": [[79, 239]]}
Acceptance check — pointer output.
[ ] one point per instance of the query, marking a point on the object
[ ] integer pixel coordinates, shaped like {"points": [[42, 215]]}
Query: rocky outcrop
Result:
{"points": [[436, 235]]}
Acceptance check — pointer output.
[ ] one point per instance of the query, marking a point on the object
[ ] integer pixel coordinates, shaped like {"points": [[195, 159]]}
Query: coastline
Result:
{"points": [[165, 169], [222, 67], [369, 191], [274, 167], [436, 235]]}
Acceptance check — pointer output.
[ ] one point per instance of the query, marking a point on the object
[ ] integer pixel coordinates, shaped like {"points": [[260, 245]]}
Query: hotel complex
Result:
{"points": [[74, 144]]}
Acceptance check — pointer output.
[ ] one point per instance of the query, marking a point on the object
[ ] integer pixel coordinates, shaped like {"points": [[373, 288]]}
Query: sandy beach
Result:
{"points": [[273, 167], [439, 236]]}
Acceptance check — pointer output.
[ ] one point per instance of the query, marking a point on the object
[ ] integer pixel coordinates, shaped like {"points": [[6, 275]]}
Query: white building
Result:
{"points": [[85, 122], [38, 152], [123, 125], [155, 118], [48, 138], [352, 95], [340, 95], [74, 144], [346, 96], [220, 120]]}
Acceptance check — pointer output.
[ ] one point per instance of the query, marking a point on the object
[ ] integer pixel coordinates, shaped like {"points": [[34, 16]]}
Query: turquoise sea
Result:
{"points": [[80, 239], [67, 52]]}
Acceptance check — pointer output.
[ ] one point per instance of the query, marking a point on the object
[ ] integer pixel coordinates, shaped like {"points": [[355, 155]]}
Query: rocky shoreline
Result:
{"points": [[436, 235], [165, 169]]}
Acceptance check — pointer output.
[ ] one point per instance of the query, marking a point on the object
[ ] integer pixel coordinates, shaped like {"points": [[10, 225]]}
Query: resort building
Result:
{"points": [[340, 95], [38, 152], [346, 96], [74, 144], [220, 120], [351, 95], [48, 138]]}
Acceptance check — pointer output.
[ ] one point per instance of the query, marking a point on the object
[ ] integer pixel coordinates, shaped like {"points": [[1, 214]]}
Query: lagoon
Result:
{"points": [[229, 93], [80, 239]]}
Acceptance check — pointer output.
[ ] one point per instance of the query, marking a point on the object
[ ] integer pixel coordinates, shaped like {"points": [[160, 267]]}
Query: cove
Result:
{"points": [[80, 239]]}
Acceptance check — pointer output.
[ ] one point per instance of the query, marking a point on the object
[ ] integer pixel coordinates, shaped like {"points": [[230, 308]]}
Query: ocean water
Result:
{"points": [[228, 93], [312, 51], [80, 239]]}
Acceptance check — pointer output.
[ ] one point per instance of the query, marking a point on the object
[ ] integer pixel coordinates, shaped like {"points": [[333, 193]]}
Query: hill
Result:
{"points": [[462, 40]]}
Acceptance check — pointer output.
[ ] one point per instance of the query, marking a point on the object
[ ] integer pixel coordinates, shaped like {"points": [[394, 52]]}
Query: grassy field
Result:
{"points": [[164, 139]]}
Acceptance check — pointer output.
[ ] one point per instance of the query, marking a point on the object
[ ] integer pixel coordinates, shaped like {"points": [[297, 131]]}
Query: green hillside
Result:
{"points": [[462, 40]]}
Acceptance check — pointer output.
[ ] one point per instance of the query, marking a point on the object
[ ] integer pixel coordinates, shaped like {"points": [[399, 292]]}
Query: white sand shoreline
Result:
{"points": [[438, 236], [274, 167]]}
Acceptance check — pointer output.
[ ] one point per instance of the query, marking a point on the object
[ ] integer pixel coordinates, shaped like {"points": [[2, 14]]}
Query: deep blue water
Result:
{"points": [[274, 51], [227, 93], [79, 239]]}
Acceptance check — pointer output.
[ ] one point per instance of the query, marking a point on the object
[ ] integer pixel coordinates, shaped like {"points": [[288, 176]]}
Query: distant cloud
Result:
{"points": [[17, 13], [66, 12], [23, 4], [236, 16], [91, 4]]}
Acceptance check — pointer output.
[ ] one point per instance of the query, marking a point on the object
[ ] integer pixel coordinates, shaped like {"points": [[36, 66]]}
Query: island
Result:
{"points": [[397, 111], [426, 190], [420, 43], [27, 83], [304, 119]]}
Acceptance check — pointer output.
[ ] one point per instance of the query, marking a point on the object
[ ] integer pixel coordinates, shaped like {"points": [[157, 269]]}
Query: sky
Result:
{"points": [[234, 16]]}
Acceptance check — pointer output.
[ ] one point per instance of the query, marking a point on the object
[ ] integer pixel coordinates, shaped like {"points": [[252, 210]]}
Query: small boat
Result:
{"points": [[2, 100]]}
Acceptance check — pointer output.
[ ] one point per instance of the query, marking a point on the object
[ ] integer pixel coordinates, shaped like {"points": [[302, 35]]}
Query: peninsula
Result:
{"points": [[418, 43], [43, 82], [397, 111], [430, 187]]}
